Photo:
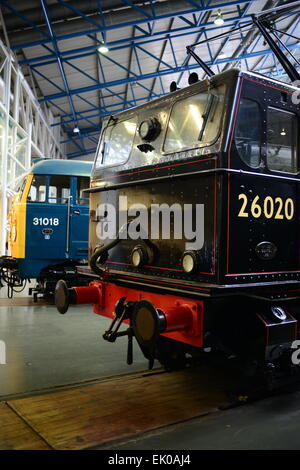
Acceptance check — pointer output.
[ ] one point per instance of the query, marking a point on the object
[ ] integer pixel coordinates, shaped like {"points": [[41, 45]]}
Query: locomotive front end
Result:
{"points": [[184, 244], [48, 227]]}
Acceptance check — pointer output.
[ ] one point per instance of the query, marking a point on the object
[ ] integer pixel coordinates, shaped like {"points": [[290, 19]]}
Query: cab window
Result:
{"points": [[117, 143], [37, 192], [59, 189], [282, 141], [248, 132], [82, 184], [20, 186], [195, 120]]}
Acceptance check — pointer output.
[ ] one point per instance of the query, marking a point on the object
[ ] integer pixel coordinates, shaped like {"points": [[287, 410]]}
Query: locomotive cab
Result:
{"points": [[194, 221], [228, 146]]}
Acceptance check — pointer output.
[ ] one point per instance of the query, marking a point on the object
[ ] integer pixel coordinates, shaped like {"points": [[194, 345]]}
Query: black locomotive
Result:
{"points": [[194, 223]]}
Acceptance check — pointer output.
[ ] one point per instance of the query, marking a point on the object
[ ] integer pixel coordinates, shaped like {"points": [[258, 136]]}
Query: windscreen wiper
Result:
{"points": [[210, 102]]}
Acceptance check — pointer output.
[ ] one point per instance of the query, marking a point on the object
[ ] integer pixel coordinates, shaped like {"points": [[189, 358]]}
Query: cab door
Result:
{"points": [[263, 194], [78, 210]]}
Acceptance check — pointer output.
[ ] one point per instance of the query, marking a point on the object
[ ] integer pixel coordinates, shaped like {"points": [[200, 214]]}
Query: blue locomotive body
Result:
{"points": [[49, 218]]}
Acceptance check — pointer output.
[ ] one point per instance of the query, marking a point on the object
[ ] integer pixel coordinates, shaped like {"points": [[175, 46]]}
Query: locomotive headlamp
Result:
{"points": [[149, 129], [139, 256], [189, 261]]}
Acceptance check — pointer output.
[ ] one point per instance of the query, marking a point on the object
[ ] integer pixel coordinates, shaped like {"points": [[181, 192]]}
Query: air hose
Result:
{"points": [[100, 254]]}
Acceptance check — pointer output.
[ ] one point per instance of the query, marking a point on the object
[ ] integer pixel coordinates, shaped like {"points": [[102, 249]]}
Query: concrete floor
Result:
{"points": [[46, 349], [269, 424]]}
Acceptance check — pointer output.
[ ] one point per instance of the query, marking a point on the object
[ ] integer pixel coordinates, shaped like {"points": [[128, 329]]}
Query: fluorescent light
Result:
{"points": [[219, 19]]}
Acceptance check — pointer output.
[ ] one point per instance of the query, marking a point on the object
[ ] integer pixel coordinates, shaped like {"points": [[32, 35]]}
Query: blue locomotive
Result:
{"points": [[48, 226]]}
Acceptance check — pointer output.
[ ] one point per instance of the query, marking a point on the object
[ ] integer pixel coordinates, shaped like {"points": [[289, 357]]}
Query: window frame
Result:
{"points": [[101, 142], [200, 144], [261, 113], [34, 175], [20, 188], [286, 111], [77, 198], [58, 200]]}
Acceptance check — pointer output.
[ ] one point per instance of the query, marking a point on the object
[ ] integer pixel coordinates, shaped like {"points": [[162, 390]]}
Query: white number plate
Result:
{"points": [[45, 221]]}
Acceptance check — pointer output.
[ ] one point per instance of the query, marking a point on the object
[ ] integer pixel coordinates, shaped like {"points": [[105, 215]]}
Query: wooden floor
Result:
{"points": [[112, 410], [16, 434]]}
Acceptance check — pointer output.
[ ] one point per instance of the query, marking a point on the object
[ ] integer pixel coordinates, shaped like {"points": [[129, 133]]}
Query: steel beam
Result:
{"points": [[59, 61], [137, 21], [131, 42], [158, 74]]}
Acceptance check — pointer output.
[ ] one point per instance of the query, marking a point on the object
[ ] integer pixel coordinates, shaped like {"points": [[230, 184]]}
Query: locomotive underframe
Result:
{"points": [[46, 281], [244, 324]]}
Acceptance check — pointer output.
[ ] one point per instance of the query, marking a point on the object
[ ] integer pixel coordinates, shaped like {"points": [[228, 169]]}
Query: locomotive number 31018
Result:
{"points": [[45, 221]]}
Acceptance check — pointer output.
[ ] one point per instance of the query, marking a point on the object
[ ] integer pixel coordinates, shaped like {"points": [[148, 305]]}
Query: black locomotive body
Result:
{"points": [[216, 165]]}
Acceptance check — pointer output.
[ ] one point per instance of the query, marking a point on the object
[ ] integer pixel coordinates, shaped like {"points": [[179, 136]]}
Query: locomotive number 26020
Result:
{"points": [[270, 208]]}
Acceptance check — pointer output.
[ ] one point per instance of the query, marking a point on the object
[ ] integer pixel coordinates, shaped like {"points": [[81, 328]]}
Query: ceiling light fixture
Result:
{"points": [[76, 130], [219, 19], [103, 48]]}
